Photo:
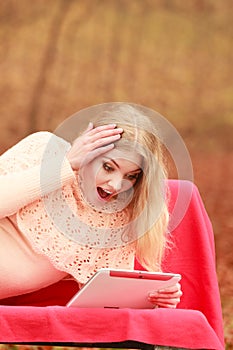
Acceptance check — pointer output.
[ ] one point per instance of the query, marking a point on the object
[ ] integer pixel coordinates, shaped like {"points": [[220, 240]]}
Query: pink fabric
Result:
{"points": [[197, 323], [180, 328], [192, 254]]}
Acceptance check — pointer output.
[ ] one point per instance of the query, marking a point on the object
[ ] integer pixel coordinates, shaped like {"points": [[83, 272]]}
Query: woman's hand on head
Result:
{"points": [[92, 143], [168, 297]]}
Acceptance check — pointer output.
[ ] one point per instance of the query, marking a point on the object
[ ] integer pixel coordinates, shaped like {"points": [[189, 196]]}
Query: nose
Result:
{"points": [[119, 184], [116, 183]]}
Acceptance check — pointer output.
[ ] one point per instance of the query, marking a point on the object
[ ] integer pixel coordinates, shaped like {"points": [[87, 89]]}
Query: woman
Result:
{"points": [[73, 209]]}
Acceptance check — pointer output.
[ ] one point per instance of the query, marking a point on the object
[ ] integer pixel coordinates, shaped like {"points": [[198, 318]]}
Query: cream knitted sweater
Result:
{"points": [[40, 192]]}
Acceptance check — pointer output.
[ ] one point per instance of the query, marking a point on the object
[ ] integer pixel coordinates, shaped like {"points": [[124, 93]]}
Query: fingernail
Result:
{"points": [[119, 129]]}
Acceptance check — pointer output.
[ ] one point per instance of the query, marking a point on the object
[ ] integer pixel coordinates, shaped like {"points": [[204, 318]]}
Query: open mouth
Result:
{"points": [[104, 194]]}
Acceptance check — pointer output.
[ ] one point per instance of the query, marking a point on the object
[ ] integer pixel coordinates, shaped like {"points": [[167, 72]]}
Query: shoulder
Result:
{"points": [[36, 142], [33, 149], [42, 138]]}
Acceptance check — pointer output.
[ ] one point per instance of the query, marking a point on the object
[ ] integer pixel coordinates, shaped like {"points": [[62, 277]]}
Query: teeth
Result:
{"points": [[108, 192], [104, 194]]}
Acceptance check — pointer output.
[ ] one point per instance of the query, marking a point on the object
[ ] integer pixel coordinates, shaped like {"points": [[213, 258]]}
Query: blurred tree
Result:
{"points": [[47, 61]]}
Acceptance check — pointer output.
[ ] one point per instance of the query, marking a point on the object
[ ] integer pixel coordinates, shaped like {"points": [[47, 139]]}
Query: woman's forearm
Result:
{"points": [[21, 188]]}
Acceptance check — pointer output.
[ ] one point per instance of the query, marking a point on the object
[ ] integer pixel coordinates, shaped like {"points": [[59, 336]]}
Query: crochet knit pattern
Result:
{"points": [[77, 238]]}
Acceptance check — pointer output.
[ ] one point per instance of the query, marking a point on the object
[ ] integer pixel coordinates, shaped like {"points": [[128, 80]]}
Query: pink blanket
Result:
{"points": [[180, 328], [196, 323]]}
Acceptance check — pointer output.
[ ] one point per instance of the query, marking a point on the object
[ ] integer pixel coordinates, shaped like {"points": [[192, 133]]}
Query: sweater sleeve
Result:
{"points": [[34, 167]]}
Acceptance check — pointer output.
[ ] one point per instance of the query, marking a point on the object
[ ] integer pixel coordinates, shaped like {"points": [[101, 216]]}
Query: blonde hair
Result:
{"points": [[148, 212]]}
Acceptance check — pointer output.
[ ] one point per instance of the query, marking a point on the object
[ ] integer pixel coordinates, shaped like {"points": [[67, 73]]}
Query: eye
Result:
{"points": [[133, 177], [107, 167]]}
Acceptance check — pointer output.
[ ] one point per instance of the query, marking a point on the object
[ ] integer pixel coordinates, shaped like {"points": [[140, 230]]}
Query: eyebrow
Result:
{"points": [[112, 160], [133, 171]]}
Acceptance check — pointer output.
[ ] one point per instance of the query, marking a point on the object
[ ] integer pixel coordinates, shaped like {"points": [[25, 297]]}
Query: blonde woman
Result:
{"points": [[72, 209]]}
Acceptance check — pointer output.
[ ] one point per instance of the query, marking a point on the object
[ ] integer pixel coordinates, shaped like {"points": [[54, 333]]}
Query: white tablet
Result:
{"points": [[111, 288]]}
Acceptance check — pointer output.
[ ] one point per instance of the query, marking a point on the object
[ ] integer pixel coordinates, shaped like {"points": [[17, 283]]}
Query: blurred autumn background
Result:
{"points": [[174, 56]]}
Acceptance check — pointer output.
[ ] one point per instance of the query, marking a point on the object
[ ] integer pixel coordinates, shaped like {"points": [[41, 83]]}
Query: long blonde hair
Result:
{"points": [[147, 210]]}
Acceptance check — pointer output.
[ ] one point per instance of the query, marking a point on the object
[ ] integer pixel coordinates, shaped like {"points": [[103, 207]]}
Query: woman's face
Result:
{"points": [[109, 175]]}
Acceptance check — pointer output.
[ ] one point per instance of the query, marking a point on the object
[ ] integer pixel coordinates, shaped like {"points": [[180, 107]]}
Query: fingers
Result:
{"points": [[98, 144], [170, 305], [168, 297], [99, 136], [165, 302], [92, 143], [99, 130], [172, 289], [96, 153], [162, 295], [105, 139], [103, 135], [102, 128]]}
